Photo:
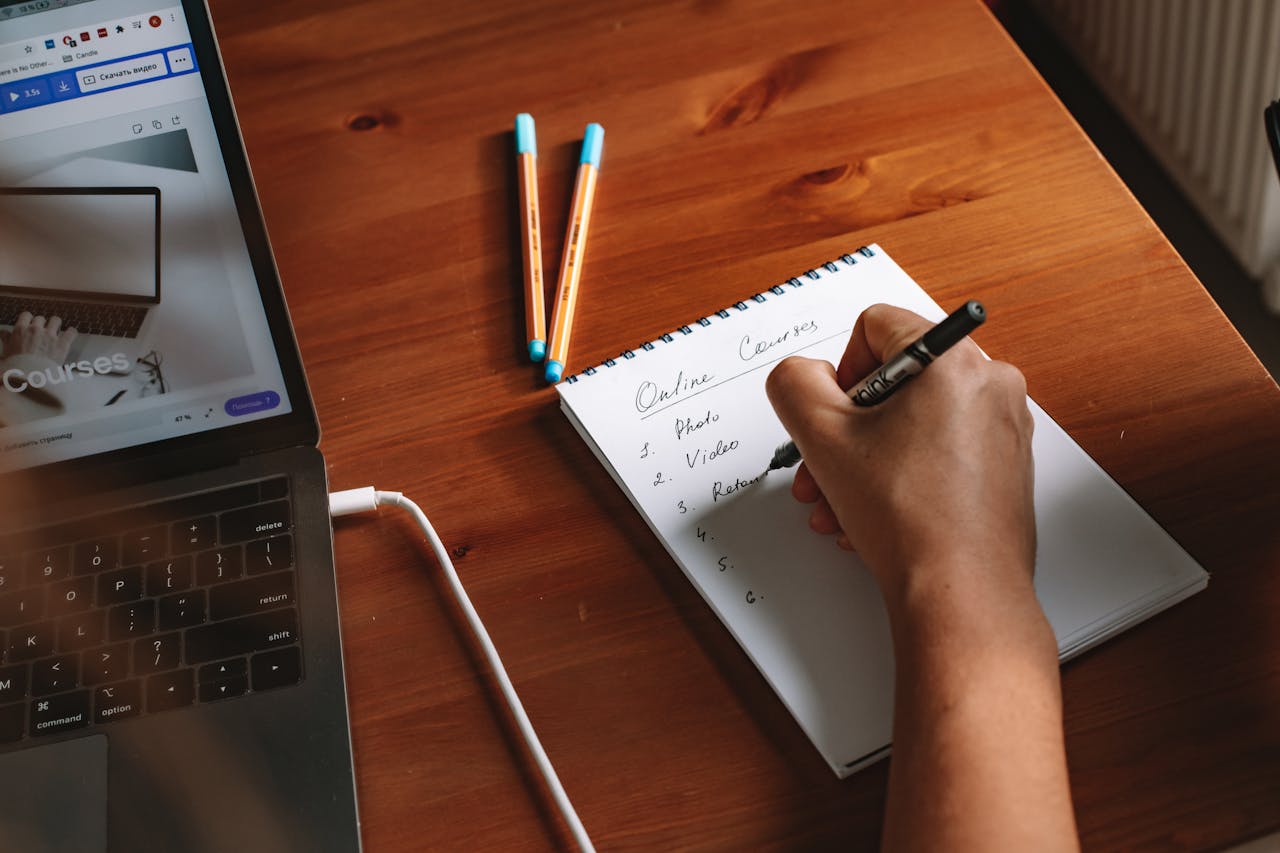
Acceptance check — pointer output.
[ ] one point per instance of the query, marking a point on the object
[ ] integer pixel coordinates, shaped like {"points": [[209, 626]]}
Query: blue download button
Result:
{"points": [[64, 85], [250, 403]]}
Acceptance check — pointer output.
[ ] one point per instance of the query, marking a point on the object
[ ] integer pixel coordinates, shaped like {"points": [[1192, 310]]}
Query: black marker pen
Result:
{"points": [[877, 387]]}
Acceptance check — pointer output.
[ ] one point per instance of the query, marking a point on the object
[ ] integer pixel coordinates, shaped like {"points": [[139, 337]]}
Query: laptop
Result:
{"points": [[87, 255], [171, 672]]}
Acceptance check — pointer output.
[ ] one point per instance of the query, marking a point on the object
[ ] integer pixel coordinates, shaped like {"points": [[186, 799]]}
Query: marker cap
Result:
{"points": [[537, 350], [526, 140], [592, 145], [952, 330], [554, 369]]}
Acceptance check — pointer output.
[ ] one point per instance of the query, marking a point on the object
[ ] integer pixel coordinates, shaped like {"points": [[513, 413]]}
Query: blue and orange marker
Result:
{"points": [[535, 309], [575, 244]]}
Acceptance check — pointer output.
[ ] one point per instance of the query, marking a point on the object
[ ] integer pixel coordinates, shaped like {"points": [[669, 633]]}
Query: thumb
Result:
{"points": [[808, 401], [880, 333]]}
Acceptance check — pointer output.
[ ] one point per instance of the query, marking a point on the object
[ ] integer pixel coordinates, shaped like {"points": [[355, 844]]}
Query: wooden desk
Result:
{"points": [[745, 141]]}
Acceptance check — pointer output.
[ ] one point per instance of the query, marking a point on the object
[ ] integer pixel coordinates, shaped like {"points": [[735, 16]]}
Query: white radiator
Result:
{"points": [[1192, 77]]}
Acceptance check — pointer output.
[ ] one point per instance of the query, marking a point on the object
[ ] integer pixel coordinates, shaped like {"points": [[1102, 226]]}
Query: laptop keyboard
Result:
{"points": [[164, 606], [87, 318]]}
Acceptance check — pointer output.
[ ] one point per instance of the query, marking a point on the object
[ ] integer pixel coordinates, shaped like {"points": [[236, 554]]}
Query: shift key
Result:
{"points": [[236, 637], [254, 522]]}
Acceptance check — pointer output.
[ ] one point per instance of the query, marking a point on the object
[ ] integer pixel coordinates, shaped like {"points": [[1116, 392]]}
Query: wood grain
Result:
{"points": [[746, 140]]}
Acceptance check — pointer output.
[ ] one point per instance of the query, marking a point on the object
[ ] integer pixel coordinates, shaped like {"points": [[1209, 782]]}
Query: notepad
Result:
{"points": [[683, 425]]}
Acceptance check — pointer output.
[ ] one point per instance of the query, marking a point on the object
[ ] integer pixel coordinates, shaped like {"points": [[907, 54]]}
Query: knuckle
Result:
{"points": [[878, 312], [1010, 378]]}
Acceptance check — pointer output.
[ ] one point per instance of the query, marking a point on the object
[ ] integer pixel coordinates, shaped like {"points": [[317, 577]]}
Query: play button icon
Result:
{"points": [[28, 93]]}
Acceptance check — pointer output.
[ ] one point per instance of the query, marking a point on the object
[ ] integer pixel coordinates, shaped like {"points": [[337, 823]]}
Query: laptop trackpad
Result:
{"points": [[54, 798]]}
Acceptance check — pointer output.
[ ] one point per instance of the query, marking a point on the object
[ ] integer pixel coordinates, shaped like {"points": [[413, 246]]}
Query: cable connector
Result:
{"points": [[368, 499], [353, 501], [356, 501]]}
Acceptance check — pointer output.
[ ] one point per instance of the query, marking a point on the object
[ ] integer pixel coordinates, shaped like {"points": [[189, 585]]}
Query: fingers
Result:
{"points": [[54, 324], [69, 335], [24, 320], [38, 322], [804, 488], [804, 393], [823, 519], [880, 333]]}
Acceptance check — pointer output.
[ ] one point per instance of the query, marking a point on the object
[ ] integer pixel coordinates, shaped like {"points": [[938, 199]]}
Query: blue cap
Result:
{"points": [[526, 141], [537, 349], [592, 145], [554, 369]]}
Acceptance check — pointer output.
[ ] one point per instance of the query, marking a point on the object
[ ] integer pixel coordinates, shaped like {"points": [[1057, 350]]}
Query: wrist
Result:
{"points": [[967, 605]]}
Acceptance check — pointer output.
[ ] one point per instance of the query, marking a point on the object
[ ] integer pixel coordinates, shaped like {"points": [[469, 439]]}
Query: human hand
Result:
{"points": [[933, 485], [35, 336]]}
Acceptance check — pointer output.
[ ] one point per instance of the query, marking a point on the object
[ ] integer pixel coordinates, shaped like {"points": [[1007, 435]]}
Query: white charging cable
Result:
{"points": [[368, 499]]}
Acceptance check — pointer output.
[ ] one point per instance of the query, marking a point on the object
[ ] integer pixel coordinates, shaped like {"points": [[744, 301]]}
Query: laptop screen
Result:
{"points": [[92, 242], [113, 182]]}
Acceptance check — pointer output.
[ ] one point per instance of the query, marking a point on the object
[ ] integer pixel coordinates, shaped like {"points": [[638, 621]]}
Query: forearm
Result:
{"points": [[978, 760]]}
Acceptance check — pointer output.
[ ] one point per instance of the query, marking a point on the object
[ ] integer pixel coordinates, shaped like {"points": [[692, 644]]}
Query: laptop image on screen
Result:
{"points": [[171, 674], [89, 256]]}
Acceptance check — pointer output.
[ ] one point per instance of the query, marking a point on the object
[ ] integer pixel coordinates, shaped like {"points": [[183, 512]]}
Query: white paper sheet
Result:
{"points": [[683, 425]]}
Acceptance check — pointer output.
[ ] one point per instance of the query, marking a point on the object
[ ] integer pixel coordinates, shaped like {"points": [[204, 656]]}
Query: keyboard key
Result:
{"points": [[276, 668], [225, 555], [31, 641], [240, 636], [48, 564], [170, 690], [81, 631], [60, 713], [143, 546], [212, 691], [268, 555], [13, 722], [100, 666], [120, 586], [96, 555], [251, 596], [219, 565], [10, 573], [222, 670], [13, 683], [181, 611], [254, 522], [70, 596], [132, 620], [192, 534], [274, 488], [22, 606], [117, 701], [54, 675], [88, 318], [156, 654], [171, 575]]}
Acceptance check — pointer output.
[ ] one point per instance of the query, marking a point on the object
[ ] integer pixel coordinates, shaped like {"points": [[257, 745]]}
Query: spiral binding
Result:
{"points": [[724, 313]]}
